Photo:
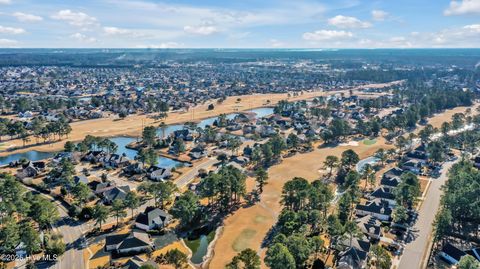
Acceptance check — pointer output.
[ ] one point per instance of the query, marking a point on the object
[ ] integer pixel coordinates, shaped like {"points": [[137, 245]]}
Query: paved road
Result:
{"points": [[186, 178], [72, 231], [415, 252]]}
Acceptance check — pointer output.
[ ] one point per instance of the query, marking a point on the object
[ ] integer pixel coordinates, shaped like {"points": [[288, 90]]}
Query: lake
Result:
{"points": [[122, 142], [32, 155], [169, 129]]}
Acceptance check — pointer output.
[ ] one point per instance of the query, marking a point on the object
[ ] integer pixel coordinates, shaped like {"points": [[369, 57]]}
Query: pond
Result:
{"points": [[122, 143], [262, 112], [361, 164], [199, 246], [32, 155]]}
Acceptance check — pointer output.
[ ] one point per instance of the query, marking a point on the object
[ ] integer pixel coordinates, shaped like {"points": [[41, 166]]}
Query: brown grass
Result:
{"points": [[309, 166], [262, 216], [132, 125]]}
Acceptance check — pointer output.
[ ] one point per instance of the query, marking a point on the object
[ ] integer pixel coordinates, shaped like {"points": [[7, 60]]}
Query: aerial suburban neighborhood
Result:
{"points": [[237, 158], [328, 176]]}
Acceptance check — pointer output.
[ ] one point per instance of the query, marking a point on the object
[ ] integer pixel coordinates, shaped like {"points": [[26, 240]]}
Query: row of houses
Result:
{"points": [[370, 216]]}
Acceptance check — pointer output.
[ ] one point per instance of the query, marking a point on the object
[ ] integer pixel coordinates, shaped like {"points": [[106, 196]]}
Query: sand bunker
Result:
{"points": [[349, 144]]}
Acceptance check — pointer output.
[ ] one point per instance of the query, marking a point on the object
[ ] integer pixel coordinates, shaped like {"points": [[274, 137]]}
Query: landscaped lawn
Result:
{"points": [[369, 142], [243, 240]]}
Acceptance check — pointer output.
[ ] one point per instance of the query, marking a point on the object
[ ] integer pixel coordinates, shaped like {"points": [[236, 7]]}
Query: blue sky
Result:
{"points": [[239, 23]]}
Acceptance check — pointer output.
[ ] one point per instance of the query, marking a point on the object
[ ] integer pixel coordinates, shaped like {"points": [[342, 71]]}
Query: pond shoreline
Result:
{"points": [[210, 250]]}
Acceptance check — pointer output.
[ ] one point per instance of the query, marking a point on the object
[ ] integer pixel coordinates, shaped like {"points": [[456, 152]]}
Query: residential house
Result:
{"points": [[114, 160], [80, 179], [152, 218], [390, 182], [377, 208], [354, 255], [198, 152], [74, 157], [94, 156], [241, 160], [394, 172], [384, 194], [134, 168], [352, 258], [184, 134], [136, 263], [370, 226], [413, 165], [265, 131], [420, 156], [116, 193], [31, 169], [100, 187], [451, 254], [131, 243], [159, 173]]}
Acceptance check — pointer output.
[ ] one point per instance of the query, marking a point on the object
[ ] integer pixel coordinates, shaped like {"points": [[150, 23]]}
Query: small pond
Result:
{"points": [[361, 164], [262, 112], [199, 246]]}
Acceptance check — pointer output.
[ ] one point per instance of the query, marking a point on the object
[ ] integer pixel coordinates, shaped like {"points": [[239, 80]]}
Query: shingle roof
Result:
{"points": [[453, 251]]}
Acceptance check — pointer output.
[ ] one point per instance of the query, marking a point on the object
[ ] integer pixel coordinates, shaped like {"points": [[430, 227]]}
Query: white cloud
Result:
{"points": [[341, 21], [115, 31], [8, 42], [463, 7], [379, 15], [324, 35], [79, 19], [201, 29], [129, 34], [11, 30], [83, 38], [178, 15], [455, 37], [472, 27], [24, 17], [165, 45], [5, 2]]}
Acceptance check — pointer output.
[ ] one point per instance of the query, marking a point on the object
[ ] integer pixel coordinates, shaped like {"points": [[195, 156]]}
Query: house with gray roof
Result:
{"points": [[153, 218]]}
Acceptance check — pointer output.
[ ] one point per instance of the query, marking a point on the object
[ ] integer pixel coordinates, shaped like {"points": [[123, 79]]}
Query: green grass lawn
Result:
{"points": [[242, 241], [260, 219], [369, 142]]}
